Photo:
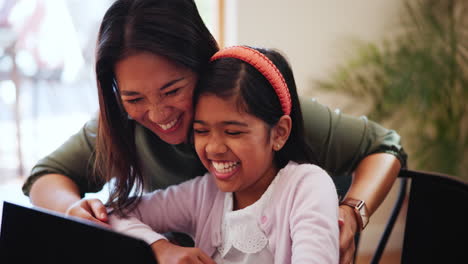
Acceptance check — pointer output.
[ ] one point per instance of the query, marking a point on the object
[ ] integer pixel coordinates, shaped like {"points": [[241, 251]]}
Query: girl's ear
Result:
{"points": [[281, 132]]}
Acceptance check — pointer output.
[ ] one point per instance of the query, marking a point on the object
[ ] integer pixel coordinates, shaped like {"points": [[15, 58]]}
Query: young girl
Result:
{"points": [[262, 200]]}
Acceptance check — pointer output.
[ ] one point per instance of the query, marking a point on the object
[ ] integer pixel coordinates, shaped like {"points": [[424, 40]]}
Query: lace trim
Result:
{"points": [[240, 228]]}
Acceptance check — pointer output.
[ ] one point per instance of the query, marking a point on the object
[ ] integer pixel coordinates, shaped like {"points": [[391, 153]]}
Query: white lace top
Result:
{"points": [[243, 241]]}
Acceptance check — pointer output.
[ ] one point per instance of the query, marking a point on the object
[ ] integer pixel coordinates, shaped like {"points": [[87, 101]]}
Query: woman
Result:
{"points": [[149, 56]]}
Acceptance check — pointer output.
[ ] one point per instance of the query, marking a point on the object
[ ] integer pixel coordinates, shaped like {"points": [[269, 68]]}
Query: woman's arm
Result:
{"points": [[346, 145], [372, 180], [73, 159], [65, 192], [60, 180], [59, 193], [341, 141]]}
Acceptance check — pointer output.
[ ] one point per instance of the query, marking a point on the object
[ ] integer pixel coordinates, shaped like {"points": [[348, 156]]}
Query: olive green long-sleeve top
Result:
{"points": [[340, 141]]}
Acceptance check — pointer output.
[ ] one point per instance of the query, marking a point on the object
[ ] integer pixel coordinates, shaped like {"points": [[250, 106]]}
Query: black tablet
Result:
{"points": [[32, 235]]}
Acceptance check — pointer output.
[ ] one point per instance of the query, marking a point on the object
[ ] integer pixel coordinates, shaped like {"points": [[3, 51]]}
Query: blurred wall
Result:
{"points": [[315, 35]]}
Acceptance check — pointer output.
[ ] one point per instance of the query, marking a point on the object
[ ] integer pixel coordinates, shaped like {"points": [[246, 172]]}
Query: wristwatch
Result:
{"points": [[360, 211]]}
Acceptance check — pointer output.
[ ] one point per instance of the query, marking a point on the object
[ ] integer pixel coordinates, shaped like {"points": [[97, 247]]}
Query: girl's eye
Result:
{"points": [[233, 133], [172, 92], [200, 131], [133, 101]]}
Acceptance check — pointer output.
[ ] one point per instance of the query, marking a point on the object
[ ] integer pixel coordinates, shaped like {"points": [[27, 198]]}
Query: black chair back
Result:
{"points": [[437, 219]]}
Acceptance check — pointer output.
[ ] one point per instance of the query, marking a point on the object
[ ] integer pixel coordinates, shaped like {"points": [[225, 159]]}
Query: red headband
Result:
{"points": [[265, 66]]}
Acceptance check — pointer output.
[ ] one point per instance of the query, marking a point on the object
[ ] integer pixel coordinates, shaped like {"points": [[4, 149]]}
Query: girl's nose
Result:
{"points": [[215, 146]]}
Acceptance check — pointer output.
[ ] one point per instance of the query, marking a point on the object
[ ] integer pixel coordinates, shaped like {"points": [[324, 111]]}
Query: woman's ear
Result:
{"points": [[281, 132]]}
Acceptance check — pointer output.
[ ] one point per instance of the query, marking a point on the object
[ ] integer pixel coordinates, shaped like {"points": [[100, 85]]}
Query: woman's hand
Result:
{"points": [[348, 227], [168, 253], [89, 209]]}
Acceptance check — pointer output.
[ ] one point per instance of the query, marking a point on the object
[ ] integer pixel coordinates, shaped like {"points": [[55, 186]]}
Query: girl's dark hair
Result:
{"points": [[229, 77], [169, 28]]}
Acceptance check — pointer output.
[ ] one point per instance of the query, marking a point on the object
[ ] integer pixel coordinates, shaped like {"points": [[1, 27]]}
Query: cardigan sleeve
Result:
{"points": [[176, 208], [314, 218]]}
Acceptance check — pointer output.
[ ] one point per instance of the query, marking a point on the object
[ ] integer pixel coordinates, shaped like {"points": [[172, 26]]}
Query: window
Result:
{"points": [[47, 82]]}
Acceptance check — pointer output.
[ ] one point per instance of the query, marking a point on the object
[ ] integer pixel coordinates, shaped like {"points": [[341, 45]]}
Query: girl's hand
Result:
{"points": [[348, 226], [89, 209], [168, 253]]}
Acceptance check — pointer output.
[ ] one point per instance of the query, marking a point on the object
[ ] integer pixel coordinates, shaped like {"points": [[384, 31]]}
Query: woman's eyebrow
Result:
{"points": [[165, 86], [170, 83], [129, 93]]}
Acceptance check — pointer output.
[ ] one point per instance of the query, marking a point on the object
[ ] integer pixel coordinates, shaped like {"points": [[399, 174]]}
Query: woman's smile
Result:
{"points": [[157, 94], [170, 126]]}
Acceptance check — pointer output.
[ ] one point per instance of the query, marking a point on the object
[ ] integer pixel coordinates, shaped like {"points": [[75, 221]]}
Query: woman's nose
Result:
{"points": [[159, 114]]}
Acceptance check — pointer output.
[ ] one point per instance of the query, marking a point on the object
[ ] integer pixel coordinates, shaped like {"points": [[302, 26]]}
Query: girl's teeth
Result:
{"points": [[225, 167], [168, 125]]}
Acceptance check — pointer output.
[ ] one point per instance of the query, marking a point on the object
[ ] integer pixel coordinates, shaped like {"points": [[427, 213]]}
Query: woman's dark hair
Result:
{"points": [[229, 77], [169, 28]]}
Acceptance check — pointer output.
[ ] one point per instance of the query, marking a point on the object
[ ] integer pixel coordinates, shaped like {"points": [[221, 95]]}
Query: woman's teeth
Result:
{"points": [[225, 167], [168, 125]]}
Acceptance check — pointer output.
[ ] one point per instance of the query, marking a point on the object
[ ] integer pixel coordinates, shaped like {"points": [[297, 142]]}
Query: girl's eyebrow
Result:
{"points": [[228, 122], [237, 123], [165, 86]]}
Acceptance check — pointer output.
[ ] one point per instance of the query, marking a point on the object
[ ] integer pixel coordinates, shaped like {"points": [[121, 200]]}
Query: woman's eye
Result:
{"points": [[133, 101], [172, 92]]}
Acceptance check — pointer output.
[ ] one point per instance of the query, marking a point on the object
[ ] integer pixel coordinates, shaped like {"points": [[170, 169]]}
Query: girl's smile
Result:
{"points": [[223, 170], [236, 147]]}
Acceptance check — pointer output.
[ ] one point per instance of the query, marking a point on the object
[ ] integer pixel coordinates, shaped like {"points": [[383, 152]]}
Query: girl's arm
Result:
{"points": [[314, 220], [176, 208], [173, 209]]}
